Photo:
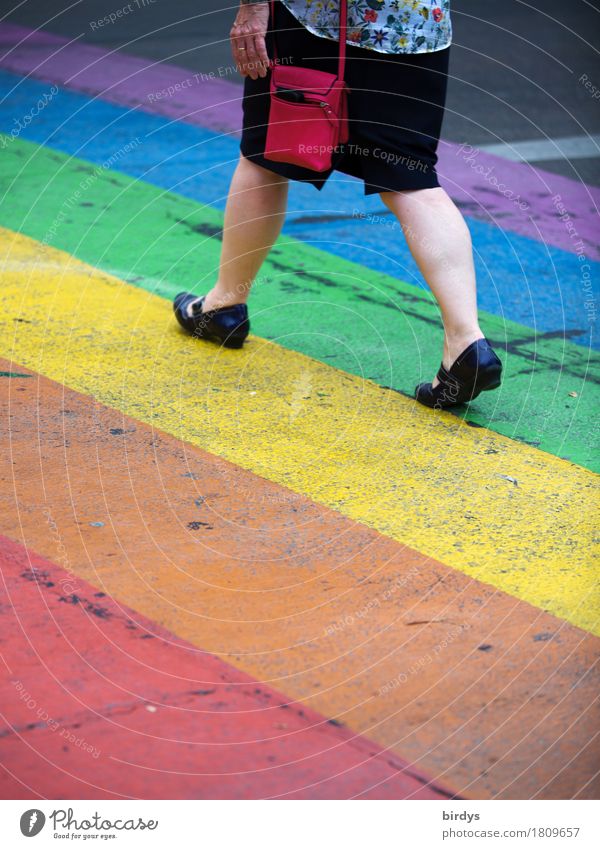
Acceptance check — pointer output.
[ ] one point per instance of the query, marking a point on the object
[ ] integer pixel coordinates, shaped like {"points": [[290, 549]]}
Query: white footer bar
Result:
{"points": [[301, 824]]}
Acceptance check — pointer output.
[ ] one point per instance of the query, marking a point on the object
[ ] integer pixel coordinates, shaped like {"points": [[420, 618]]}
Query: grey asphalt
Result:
{"points": [[519, 71]]}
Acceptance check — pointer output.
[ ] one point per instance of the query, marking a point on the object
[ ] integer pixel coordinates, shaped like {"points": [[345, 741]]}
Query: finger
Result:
{"points": [[239, 60], [251, 57], [261, 49], [262, 57], [237, 41], [239, 44], [234, 42], [242, 62]]}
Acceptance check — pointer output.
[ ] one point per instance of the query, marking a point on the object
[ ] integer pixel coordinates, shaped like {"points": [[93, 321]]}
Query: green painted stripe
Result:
{"points": [[339, 312]]}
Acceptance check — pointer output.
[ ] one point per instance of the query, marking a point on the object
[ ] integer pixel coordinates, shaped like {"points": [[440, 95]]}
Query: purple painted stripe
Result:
{"points": [[121, 78], [481, 183]]}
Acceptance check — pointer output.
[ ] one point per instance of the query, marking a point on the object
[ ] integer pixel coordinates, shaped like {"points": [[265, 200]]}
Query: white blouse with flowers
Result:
{"points": [[389, 26]]}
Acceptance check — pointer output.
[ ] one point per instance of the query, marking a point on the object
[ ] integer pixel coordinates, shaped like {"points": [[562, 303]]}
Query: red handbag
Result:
{"points": [[308, 114]]}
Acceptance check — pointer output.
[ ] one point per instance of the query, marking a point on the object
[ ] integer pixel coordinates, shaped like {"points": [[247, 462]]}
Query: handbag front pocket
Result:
{"points": [[303, 132]]}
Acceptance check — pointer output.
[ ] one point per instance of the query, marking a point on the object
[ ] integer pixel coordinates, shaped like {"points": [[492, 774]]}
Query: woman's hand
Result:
{"points": [[248, 39]]}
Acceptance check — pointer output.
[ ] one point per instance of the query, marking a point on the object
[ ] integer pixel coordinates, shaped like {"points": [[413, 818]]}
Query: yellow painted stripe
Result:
{"points": [[499, 511]]}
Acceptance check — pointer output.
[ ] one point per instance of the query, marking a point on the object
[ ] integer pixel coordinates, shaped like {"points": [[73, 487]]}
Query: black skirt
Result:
{"points": [[396, 106]]}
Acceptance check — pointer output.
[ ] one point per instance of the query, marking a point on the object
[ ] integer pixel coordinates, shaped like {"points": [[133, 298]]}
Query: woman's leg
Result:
{"points": [[440, 243], [254, 217]]}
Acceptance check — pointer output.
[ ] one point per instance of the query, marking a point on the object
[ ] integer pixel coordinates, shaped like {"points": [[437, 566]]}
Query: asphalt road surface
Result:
{"points": [[520, 72]]}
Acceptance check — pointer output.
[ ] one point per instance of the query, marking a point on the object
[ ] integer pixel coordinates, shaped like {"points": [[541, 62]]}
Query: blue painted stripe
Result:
{"points": [[519, 278]]}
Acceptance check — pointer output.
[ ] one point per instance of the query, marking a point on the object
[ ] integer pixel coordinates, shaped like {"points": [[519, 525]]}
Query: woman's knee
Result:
{"points": [[413, 204]]}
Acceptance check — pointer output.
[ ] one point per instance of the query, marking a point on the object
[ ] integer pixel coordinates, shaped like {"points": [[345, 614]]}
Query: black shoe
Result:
{"points": [[228, 325], [476, 370]]}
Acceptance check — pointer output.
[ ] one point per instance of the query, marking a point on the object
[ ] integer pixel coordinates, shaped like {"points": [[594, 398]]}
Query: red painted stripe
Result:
{"points": [[101, 703]]}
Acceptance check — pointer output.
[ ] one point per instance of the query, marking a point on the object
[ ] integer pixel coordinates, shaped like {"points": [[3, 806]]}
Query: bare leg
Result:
{"points": [[440, 243], [254, 217]]}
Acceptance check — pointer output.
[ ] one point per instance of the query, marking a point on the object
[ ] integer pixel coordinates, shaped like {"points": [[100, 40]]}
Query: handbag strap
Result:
{"points": [[341, 36]]}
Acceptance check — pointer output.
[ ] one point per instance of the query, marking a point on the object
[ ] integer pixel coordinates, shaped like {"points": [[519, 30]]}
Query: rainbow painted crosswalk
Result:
{"points": [[268, 572]]}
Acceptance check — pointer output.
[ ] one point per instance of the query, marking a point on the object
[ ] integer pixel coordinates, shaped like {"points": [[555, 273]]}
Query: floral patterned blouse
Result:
{"points": [[389, 26]]}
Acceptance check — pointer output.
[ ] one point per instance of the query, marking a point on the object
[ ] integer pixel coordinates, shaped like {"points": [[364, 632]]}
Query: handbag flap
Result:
{"points": [[304, 79]]}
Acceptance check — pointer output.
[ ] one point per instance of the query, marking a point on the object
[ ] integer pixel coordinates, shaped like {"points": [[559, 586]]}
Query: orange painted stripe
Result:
{"points": [[481, 691], [98, 702]]}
